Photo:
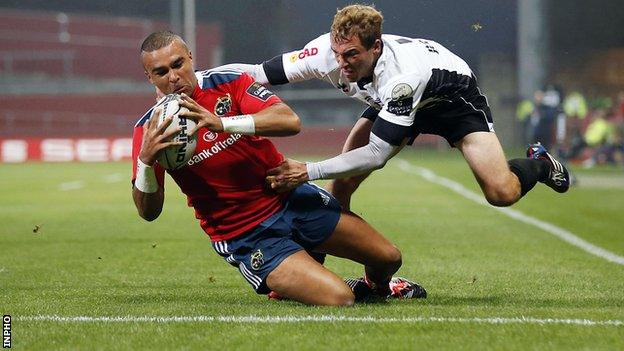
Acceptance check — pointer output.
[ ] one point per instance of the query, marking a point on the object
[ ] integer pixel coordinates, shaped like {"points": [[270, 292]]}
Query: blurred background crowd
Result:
{"points": [[584, 129]]}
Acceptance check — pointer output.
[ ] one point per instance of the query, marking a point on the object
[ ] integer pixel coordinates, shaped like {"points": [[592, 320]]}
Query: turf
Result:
{"points": [[83, 251]]}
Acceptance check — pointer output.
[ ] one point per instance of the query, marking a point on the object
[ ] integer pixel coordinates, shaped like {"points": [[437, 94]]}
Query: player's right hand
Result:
{"points": [[154, 137], [287, 175]]}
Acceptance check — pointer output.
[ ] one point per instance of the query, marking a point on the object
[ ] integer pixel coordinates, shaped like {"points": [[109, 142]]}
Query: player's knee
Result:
{"points": [[395, 258], [341, 297], [501, 196], [391, 258]]}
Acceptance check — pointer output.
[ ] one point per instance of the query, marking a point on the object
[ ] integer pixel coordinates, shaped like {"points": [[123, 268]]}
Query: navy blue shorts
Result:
{"points": [[308, 218]]}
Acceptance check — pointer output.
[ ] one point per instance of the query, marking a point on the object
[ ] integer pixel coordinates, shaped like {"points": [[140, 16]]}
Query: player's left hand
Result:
{"points": [[288, 175], [200, 115]]}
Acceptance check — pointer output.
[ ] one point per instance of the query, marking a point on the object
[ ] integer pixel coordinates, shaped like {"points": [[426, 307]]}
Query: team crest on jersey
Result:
{"points": [[223, 105], [257, 259], [402, 91]]}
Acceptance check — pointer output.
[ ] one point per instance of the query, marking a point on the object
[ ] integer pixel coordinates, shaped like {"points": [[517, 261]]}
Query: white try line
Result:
{"points": [[316, 319], [114, 178], [561, 233], [75, 185]]}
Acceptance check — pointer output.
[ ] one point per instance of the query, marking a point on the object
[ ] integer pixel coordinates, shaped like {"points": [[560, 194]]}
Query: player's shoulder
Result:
{"points": [[322, 40], [146, 116], [213, 78]]}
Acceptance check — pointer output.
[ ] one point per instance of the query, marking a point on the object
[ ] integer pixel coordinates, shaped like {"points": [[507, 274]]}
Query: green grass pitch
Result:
{"points": [[72, 245]]}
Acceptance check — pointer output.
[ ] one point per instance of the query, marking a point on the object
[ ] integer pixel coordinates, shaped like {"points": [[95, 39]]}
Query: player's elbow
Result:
{"points": [[290, 121], [148, 215], [295, 125], [377, 163]]}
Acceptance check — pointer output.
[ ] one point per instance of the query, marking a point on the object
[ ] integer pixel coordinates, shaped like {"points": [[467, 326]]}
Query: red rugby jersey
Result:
{"points": [[225, 179]]}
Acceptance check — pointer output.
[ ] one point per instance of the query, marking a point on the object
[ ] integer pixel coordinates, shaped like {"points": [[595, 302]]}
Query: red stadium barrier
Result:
{"points": [[320, 141], [65, 149]]}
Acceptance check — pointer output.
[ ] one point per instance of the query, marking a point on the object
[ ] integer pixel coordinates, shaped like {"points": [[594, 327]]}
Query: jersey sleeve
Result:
{"points": [[137, 141], [314, 61], [252, 96], [400, 99]]}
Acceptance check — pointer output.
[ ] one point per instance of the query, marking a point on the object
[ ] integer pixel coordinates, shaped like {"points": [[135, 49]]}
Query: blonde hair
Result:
{"points": [[361, 20]]}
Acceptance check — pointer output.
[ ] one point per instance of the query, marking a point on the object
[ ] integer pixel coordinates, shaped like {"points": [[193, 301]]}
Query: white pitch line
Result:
{"points": [[561, 233], [75, 185], [321, 319], [114, 178]]}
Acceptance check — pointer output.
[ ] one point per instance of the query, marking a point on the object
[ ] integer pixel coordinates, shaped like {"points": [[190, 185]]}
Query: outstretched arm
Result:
{"points": [[372, 156]]}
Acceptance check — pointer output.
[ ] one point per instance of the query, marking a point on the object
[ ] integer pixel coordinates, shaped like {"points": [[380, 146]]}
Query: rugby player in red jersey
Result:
{"points": [[266, 235]]}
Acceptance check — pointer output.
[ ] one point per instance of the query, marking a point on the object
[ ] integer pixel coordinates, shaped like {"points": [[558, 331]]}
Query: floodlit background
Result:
{"points": [[70, 70], [79, 270]]}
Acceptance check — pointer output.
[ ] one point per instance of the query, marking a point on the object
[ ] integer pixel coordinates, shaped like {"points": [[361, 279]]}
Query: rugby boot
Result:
{"points": [[558, 176], [402, 288]]}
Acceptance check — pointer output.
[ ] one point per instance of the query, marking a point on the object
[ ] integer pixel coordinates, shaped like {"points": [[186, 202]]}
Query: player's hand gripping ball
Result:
{"points": [[176, 156]]}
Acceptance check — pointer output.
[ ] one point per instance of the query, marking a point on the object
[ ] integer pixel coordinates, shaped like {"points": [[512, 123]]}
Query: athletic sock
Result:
{"points": [[529, 172]]}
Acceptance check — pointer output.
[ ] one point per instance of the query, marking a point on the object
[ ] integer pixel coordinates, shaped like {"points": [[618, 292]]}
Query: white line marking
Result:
{"points": [[114, 178], [75, 185], [321, 318], [561, 233]]}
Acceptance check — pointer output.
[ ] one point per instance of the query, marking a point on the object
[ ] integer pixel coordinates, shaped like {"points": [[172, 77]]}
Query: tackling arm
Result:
{"points": [[370, 157]]}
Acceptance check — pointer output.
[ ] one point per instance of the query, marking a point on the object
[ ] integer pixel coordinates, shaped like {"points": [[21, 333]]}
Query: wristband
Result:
{"points": [[314, 171], [241, 124], [145, 178]]}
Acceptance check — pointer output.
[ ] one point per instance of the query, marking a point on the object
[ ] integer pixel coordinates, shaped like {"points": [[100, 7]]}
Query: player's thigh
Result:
{"points": [[485, 157], [355, 239], [299, 277]]}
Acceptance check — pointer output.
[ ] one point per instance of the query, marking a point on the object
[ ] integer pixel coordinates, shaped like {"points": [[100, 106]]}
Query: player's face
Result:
{"points": [[170, 69], [355, 61]]}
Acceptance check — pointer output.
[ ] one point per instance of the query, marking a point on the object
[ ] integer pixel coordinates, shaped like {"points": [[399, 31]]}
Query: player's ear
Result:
{"points": [[377, 46]]}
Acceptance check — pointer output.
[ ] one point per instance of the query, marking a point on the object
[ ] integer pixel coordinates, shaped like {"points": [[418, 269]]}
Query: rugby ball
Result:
{"points": [[176, 156]]}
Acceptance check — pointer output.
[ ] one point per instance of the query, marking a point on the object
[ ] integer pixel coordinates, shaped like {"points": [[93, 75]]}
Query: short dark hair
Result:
{"points": [[159, 40]]}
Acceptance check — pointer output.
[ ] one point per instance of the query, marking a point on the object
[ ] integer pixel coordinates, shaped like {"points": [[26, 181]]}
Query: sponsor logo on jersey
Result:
{"points": [[214, 149], [260, 91], [402, 91], [401, 107], [210, 136], [325, 198], [223, 105], [307, 52], [257, 259]]}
